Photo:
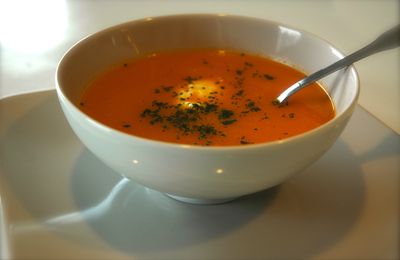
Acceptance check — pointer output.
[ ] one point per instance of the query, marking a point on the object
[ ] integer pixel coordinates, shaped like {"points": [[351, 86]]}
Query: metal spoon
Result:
{"points": [[388, 40]]}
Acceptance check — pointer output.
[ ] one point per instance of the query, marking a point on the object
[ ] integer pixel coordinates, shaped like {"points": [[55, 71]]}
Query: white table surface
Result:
{"points": [[35, 34]]}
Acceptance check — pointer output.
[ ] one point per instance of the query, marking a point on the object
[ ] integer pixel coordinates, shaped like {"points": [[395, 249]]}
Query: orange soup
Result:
{"points": [[205, 97]]}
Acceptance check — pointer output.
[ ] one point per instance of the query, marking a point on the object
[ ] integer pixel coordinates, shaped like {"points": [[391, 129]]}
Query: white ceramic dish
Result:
{"points": [[192, 173], [61, 202]]}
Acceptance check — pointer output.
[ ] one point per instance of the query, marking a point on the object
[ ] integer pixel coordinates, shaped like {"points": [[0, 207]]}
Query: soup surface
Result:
{"points": [[205, 97]]}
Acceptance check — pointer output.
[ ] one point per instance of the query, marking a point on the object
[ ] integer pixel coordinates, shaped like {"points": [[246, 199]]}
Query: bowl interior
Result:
{"points": [[126, 41]]}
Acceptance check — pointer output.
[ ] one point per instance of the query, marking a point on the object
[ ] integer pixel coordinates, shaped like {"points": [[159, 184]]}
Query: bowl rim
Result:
{"points": [[63, 97]]}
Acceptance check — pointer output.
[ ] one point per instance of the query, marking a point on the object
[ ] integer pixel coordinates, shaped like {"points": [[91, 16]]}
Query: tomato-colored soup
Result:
{"points": [[205, 97]]}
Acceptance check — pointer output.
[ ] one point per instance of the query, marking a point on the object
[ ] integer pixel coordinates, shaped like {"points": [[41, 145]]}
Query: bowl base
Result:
{"points": [[200, 201]]}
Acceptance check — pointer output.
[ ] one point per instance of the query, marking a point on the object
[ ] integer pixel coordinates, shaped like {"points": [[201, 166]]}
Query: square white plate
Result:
{"points": [[60, 202]]}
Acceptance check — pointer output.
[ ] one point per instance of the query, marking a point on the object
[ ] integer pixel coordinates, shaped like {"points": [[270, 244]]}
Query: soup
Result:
{"points": [[205, 97]]}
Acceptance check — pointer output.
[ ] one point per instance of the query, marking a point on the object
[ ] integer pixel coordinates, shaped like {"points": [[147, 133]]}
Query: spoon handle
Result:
{"points": [[388, 40]]}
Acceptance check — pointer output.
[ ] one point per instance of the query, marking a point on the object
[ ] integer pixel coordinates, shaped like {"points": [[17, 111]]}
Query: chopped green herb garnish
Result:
{"points": [[239, 93], [210, 108], [252, 106], [167, 88], [268, 77], [225, 113], [190, 79], [228, 122], [244, 141], [206, 130], [276, 102]]}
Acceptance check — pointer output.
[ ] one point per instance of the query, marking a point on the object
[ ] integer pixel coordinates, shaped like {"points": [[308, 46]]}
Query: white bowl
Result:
{"points": [[200, 174]]}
